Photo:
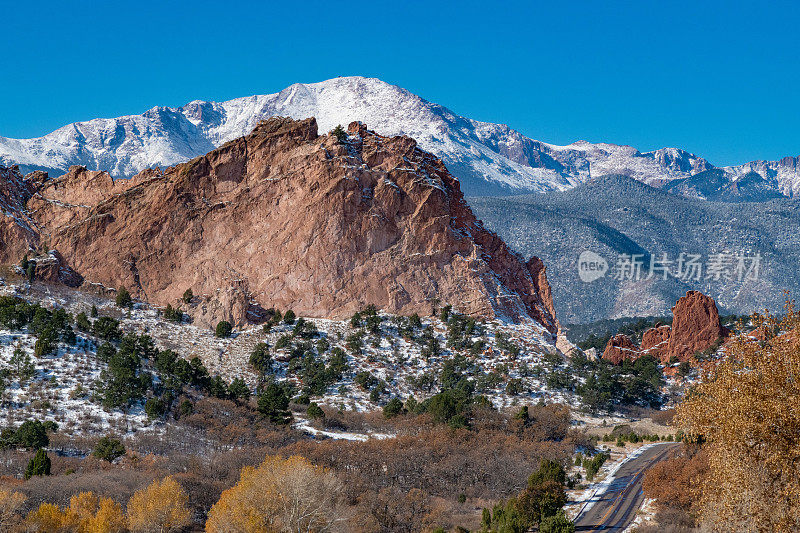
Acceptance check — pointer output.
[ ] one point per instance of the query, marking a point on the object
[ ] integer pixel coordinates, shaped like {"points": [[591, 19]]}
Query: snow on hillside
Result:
{"points": [[487, 158], [63, 387]]}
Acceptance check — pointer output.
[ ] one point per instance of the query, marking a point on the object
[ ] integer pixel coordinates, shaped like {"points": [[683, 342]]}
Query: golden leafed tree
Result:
{"points": [[87, 513], [10, 505], [746, 411], [278, 496], [46, 517], [159, 508]]}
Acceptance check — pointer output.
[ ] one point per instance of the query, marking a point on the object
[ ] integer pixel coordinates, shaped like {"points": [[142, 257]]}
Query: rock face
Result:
{"points": [[620, 348], [695, 327], [51, 267], [286, 218], [655, 342], [17, 232]]}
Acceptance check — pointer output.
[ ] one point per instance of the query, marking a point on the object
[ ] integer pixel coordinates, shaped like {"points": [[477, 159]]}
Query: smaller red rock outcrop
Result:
{"points": [[655, 341], [620, 348], [51, 267], [695, 327]]}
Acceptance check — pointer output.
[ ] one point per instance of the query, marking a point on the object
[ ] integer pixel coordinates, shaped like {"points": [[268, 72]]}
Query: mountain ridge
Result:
{"points": [[617, 215], [489, 159]]}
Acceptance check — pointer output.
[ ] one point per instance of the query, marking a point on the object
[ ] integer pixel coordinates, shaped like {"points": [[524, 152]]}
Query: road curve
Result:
{"points": [[615, 509]]}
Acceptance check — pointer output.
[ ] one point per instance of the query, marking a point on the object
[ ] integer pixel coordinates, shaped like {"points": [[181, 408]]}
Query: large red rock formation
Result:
{"points": [[286, 218], [620, 348]]}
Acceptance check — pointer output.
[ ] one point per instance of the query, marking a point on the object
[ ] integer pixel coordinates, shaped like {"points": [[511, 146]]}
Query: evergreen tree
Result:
{"points": [[273, 403], [82, 322], [124, 298], [224, 329], [39, 465], [22, 365], [339, 133], [154, 408], [238, 390], [260, 359], [109, 449], [393, 408], [315, 412], [32, 435]]}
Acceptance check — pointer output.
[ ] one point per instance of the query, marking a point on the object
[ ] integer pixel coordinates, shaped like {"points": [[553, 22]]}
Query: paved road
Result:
{"points": [[616, 508]]}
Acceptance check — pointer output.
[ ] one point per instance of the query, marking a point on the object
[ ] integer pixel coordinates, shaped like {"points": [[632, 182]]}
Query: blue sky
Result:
{"points": [[719, 79]]}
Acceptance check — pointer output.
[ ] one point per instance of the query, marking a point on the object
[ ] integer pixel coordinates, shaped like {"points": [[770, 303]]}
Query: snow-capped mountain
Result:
{"points": [[488, 158]]}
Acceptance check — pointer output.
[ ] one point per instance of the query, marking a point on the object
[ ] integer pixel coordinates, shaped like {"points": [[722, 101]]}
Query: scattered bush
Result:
{"points": [[124, 298], [224, 329], [109, 449]]}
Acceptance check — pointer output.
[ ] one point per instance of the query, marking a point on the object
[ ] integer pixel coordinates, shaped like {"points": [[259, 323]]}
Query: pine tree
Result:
{"points": [[274, 404], [260, 359], [224, 329], [39, 465], [108, 449], [124, 298], [339, 133], [393, 408], [315, 412]]}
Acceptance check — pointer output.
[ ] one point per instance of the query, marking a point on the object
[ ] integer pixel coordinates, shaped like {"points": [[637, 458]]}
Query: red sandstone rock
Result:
{"points": [[620, 348], [695, 326], [17, 229], [288, 219], [51, 267], [655, 341]]}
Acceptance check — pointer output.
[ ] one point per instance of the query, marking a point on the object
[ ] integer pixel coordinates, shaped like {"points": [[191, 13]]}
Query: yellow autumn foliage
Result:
{"points": [[747, 413], [278, 496], [47, 517], [87, 513], [159, 508]]}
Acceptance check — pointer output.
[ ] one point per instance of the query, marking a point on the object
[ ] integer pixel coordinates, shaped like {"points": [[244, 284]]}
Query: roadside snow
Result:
{"points": [[585, 500]]}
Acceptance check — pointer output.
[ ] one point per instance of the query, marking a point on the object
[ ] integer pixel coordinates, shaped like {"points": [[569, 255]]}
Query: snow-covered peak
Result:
{"points": [[488, 158]]}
